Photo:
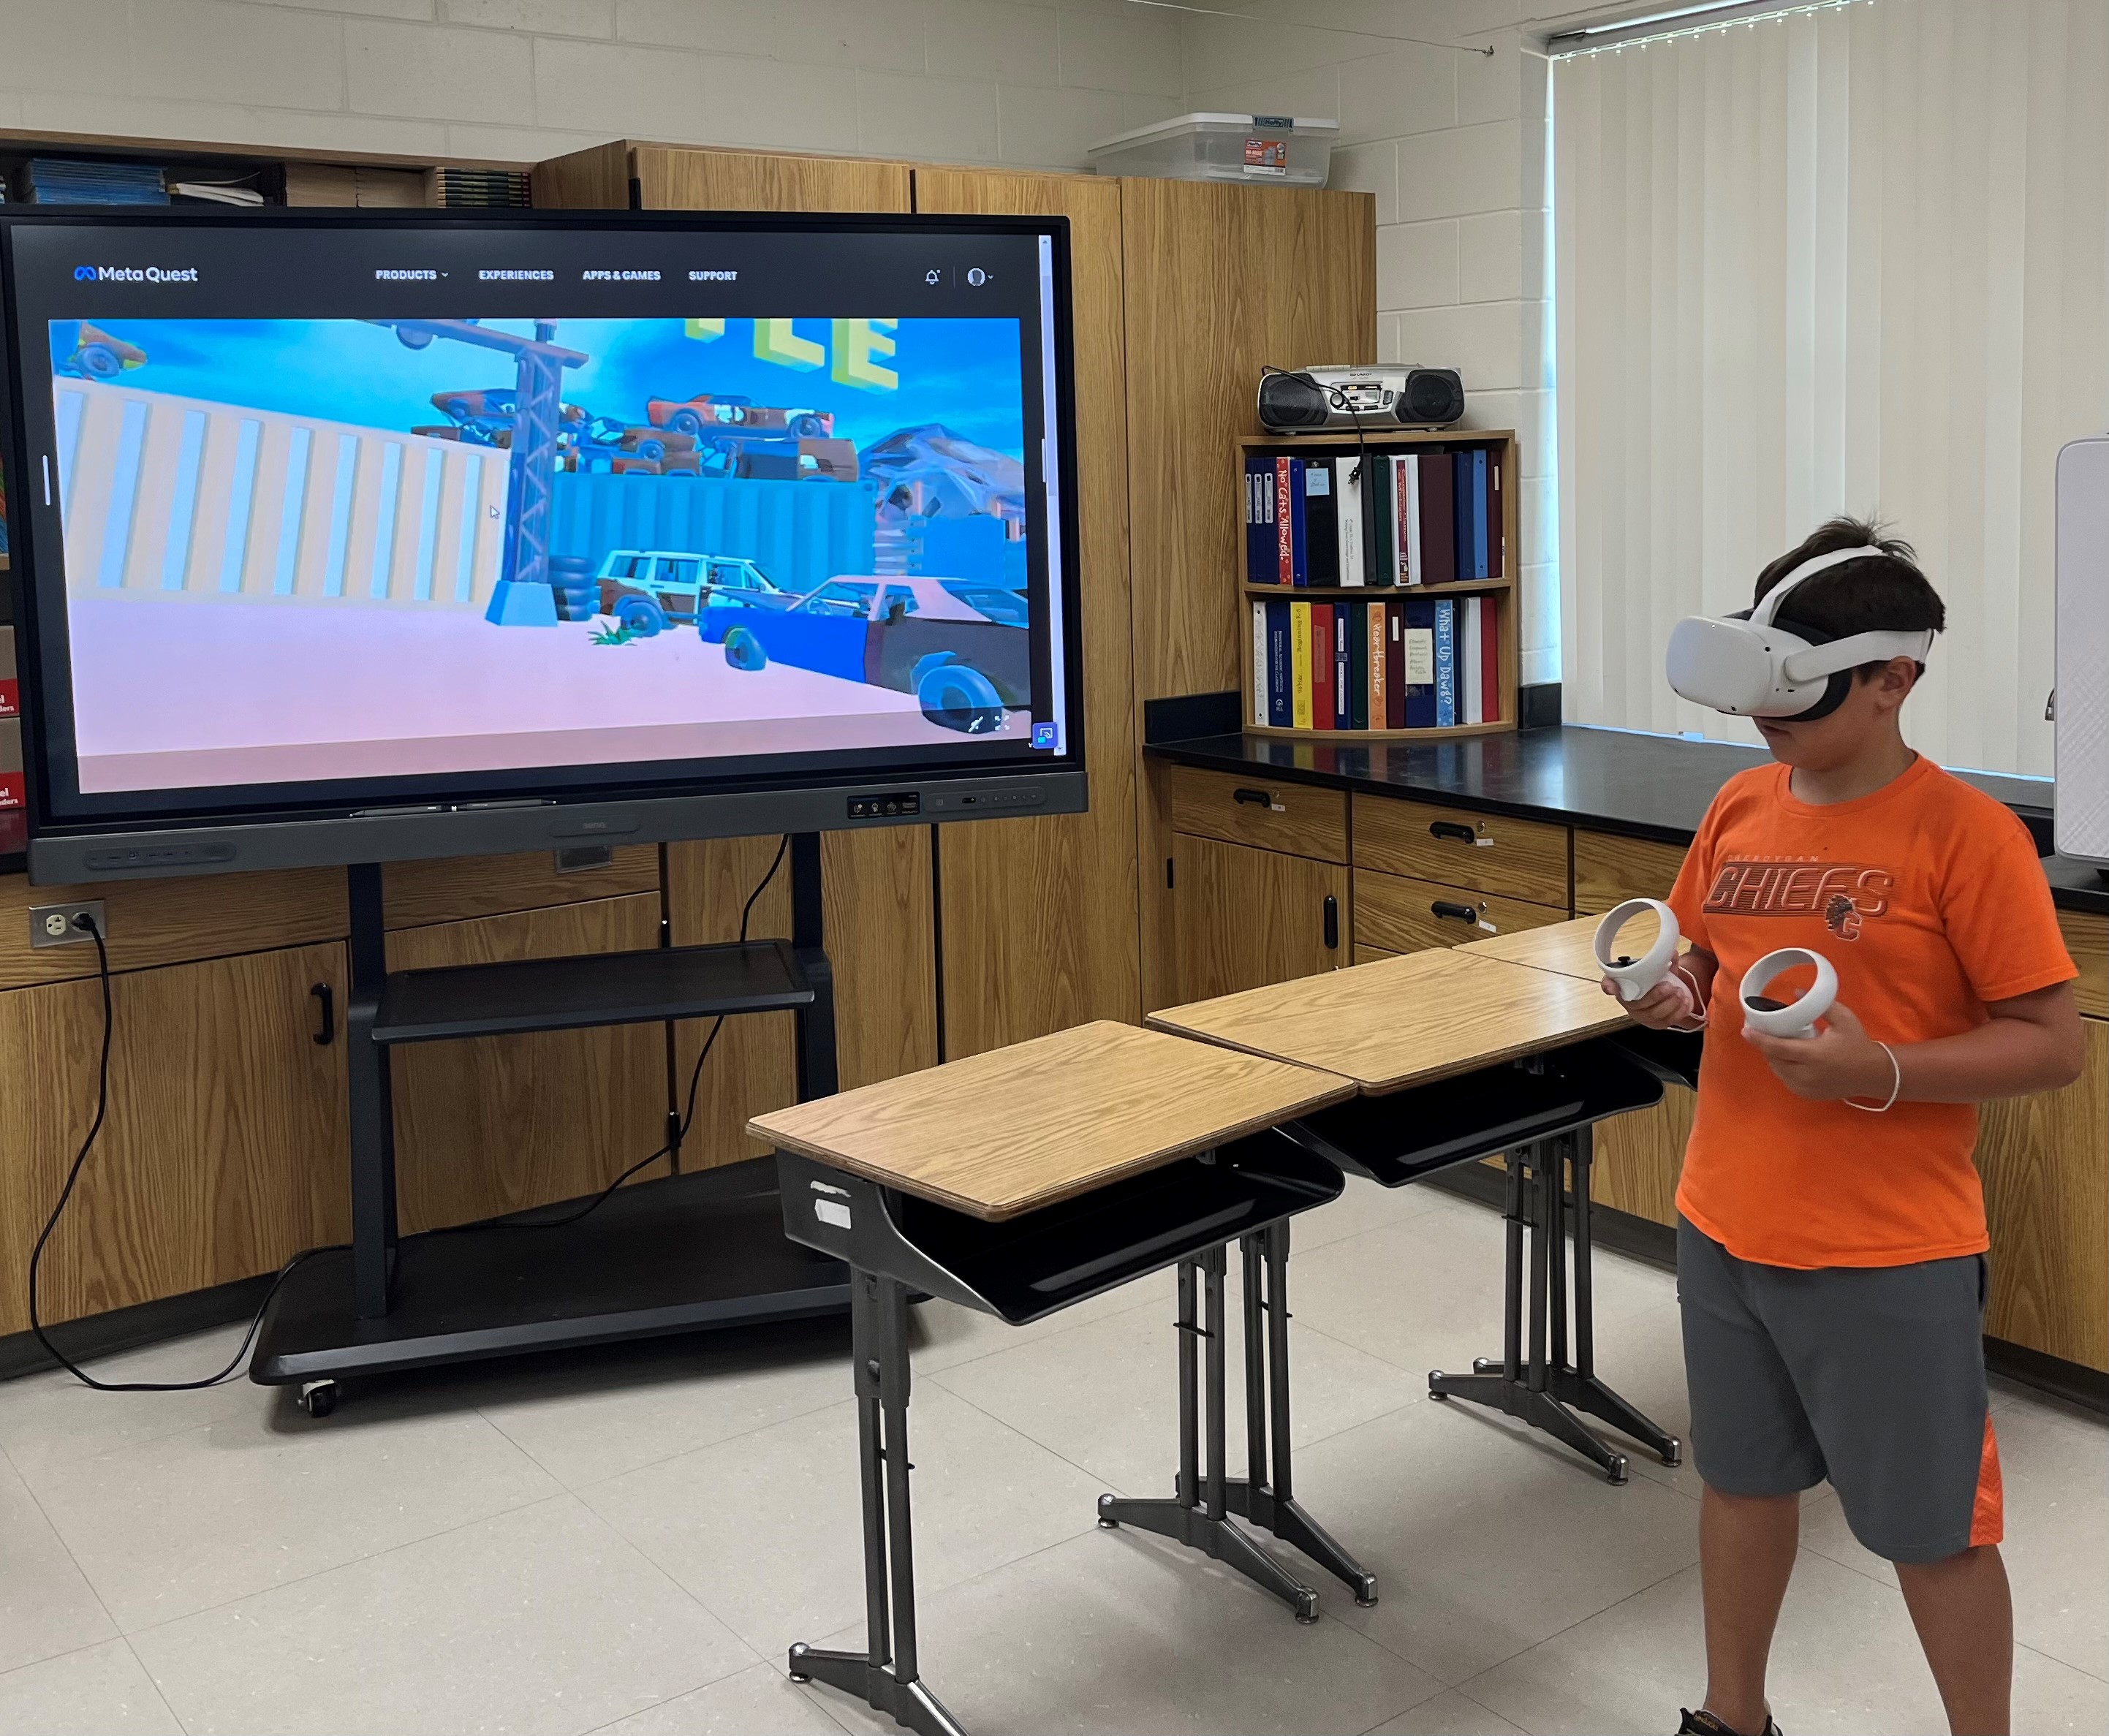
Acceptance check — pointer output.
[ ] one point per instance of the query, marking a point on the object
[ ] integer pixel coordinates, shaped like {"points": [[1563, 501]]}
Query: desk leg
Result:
{"points": [[1578, 1384], [1534, 1392], [885, 1675], [1183, 1518], [1270, 1502]]}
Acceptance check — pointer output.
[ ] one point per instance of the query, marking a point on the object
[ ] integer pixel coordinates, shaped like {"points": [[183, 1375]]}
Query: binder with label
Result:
{"points": [[1348, 516], [1260, 664], [1259, 519], [1343, 668], [1446, 662], [1281, 668], [1321, 531], [1299, 653], [1417, 663], [1322, 662]]}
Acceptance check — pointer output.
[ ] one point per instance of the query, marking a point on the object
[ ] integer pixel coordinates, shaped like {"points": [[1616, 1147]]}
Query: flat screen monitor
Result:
{"points": [[348, 536]]}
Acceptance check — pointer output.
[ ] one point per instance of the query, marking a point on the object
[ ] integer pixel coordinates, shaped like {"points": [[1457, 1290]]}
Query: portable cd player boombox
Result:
{"points": [[1319, 400]]}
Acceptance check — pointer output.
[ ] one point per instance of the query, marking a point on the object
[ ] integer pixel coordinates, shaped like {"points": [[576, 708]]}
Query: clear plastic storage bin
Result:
{"points": [[1282, 150]]}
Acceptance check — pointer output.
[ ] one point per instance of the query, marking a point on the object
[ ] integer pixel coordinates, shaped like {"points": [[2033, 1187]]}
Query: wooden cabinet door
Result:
{"points": [[1242, 917], [2045, 1161], [1639, 1156], [226, 1149]]}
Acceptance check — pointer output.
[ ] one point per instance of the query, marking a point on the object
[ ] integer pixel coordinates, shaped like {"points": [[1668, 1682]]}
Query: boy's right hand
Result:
{"points": [[1667, 1006]]}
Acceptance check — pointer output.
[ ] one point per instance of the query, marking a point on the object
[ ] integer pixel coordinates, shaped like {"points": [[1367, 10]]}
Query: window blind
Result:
{"points": [[1853, 259]]}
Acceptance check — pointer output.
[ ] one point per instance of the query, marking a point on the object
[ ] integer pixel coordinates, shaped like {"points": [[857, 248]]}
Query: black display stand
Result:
{"points": [[691, 1252]]}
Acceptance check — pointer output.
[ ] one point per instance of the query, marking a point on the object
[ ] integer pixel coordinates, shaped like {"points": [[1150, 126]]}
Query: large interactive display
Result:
{"points": [[454, 519]]}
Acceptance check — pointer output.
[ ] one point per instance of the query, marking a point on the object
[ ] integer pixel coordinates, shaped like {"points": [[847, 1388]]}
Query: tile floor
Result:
{"points": [[627, 1542]]}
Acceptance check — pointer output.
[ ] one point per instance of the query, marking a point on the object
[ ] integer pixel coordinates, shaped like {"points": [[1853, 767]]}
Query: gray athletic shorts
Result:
{"points": [[1872, 1376]]}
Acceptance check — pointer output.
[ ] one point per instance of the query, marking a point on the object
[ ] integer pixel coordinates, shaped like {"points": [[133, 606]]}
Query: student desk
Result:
{"points": [[1456, 1056], [1019, 1182]]}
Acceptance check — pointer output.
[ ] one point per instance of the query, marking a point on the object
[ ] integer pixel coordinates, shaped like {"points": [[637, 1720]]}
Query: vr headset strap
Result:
{"points": [[1839, 655]]}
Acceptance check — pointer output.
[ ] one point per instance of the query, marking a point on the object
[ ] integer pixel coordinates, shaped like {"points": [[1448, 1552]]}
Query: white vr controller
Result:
{"points": [[1795, 1018], [1635, 976]]}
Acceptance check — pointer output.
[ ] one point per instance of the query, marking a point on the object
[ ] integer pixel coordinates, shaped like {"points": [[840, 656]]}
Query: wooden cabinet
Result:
{"points": [[1242, 917], [1039, 916], [224, 1151], [1514, 859], [1292, 817], [2087, 939], [2045, 1163], [1408, 916], [1609, 869]]}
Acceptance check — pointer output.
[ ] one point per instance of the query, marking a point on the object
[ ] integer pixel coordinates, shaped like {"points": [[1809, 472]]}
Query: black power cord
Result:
{"points": [[87, 925]]}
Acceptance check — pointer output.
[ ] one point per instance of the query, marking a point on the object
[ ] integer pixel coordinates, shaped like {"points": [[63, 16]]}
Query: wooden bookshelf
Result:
{"points": [[1501, 441]]}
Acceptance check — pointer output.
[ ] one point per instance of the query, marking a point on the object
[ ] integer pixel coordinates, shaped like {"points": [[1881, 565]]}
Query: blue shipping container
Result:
{"points": [[800, 533]]}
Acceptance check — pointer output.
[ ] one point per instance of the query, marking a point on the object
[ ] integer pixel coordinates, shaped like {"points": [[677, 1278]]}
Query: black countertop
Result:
{"points": [[1608, 780]]}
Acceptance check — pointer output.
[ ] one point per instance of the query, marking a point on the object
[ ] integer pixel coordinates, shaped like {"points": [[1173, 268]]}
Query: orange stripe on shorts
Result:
{"points": [[1987, 1515]]}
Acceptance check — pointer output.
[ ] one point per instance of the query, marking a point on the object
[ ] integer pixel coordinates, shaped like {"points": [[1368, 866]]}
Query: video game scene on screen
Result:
{"points": [[407, 547]]}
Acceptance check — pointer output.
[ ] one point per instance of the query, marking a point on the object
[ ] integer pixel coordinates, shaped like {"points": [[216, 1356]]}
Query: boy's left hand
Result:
{"points": [[1840, 1060]]}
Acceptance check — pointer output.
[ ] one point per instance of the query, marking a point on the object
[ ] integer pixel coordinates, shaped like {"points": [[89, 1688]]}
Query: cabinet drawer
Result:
{"points": [[1610, 869], [1292, 817], [1407, 915], [1455, 847], [2087, 939]]}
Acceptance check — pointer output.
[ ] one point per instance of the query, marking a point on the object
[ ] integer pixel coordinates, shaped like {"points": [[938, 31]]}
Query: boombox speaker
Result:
{"points": [[1317, 400]]}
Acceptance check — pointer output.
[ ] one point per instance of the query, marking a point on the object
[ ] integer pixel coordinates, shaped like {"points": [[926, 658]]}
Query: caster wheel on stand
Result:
{"points": [[1105, 1524], [1615, 1472], [319, 1397], [1433, 1376]]}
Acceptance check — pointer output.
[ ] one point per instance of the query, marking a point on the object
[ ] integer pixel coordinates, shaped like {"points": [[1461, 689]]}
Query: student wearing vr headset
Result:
{"points": [[1831, 1233]]}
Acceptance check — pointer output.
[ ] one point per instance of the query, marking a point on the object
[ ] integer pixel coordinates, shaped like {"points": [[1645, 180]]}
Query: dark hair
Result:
{"points": [[1881, 593]]}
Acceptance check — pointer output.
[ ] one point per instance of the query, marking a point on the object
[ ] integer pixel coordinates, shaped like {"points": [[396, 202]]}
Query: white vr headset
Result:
{"points": [[1747, 665]]}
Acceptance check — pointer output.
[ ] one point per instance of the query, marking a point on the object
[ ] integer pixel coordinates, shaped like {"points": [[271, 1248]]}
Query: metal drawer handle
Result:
{"points": [[1259, 799], [1332, 923], [1463, 833], [321, 992], [1456, 913]]}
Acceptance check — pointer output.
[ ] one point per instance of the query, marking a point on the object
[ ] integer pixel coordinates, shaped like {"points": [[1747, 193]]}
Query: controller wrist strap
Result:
{"points": [[1896, 1083]]}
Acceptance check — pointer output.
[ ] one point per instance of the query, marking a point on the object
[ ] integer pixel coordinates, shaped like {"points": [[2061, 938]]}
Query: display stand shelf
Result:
{"points": [[676, 1255]]}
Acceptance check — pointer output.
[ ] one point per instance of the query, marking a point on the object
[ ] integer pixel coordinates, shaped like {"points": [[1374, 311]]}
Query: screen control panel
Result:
{"points": [[893, 804]]}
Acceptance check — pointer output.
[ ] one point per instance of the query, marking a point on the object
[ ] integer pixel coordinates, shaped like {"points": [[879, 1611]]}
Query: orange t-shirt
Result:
{"points": [[1928, 900]]}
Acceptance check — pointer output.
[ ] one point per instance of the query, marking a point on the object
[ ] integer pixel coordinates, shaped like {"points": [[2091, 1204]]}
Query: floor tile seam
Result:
{"points": [[2065, 1663], [1011, 1428], [756, 1655], [302, 1579], [653, 1463], [58, 1536], [154, 1682], [1502, 1663]]}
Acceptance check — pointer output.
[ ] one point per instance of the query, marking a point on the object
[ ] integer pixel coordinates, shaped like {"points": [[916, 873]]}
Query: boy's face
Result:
{"points": [[1867, 717]]}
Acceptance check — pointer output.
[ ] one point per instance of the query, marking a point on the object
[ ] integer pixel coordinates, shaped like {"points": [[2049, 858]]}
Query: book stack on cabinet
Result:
{"points": [[1379, 590]]}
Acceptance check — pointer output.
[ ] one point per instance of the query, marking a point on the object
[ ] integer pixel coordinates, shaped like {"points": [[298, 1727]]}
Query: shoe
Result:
{"points": [[1705, 1723]]}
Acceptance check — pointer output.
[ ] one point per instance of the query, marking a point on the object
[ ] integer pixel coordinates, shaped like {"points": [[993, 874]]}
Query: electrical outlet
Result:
{"points": [[53, 925]]}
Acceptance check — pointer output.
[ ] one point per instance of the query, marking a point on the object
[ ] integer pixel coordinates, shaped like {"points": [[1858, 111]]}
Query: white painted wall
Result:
{"points": [[518, 80], [1453, 146]]}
